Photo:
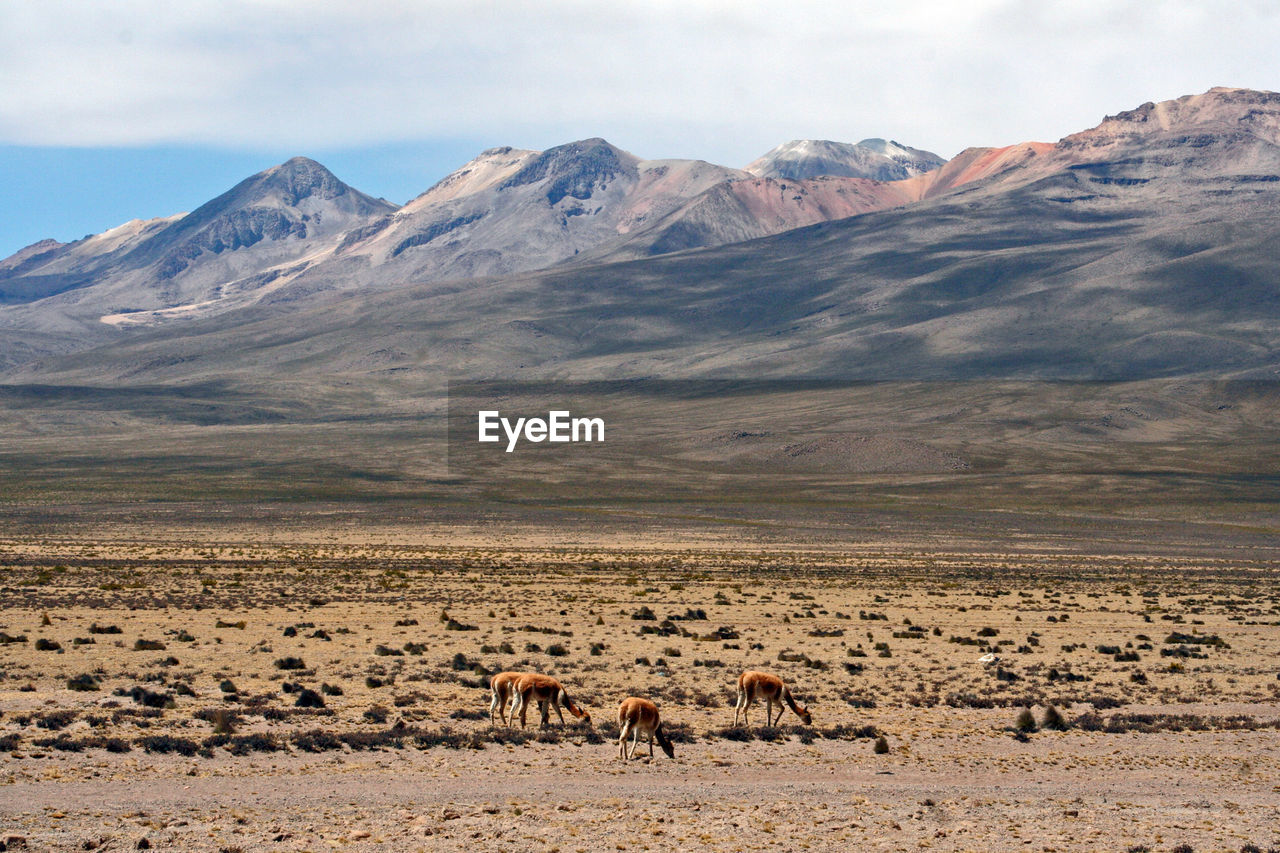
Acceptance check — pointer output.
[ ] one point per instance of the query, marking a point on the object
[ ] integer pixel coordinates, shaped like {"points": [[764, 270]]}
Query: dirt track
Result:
{"points": [[1163, 791]]}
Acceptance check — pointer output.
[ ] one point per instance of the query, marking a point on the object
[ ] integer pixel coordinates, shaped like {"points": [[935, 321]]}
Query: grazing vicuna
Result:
{"points": [[756, 686], [548, 693], [637, 717]]}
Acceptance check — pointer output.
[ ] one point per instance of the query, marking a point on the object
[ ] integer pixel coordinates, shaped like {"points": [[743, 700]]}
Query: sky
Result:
{"points": [[127, 109]]}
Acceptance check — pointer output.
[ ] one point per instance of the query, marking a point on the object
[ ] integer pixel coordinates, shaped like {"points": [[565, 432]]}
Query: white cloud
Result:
{"points": [[719, 80]]}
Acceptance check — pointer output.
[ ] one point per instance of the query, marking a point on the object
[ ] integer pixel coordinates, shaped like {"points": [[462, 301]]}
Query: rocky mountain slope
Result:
{"points": [[254, 236], [512, 211], [1142, 247], [295, 230]]}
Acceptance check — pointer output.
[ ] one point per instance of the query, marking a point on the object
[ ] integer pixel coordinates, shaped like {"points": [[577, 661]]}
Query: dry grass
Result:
{"points": [[218, 655]]}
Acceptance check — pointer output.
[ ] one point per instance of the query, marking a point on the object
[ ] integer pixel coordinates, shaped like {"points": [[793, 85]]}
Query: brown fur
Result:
{"points": [[502, 686], [755, 686], [638, 716], [548, 693]]}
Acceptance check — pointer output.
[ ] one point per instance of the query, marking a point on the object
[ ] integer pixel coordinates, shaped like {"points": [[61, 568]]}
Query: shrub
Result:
{"points": [[308, 698], [882, 745], [224, 720], [83, 682], [1053, 719], [151, 699], [739, 733], [290, 663], [43, 645], [167, 743], [255, 742], [1026, 721], [56, 721], [316, 740], [141, 645], [1197, 639], [61, 742]]}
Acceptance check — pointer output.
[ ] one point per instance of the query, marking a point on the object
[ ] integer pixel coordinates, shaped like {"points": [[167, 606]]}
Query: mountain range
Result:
{"points": [[1139, 247], [293, 339]]}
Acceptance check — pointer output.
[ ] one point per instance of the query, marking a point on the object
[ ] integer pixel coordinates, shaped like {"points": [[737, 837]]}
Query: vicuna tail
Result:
{"points": [[568, 703]]}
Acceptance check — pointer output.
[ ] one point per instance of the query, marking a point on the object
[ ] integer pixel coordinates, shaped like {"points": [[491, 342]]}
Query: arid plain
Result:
{"points": [[296, 696]]}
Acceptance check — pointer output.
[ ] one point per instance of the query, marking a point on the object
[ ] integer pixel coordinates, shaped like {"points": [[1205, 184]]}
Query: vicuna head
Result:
{"points": [[665, 742]]}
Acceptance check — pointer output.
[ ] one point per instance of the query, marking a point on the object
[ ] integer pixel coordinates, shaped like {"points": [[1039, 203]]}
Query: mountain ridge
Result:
{"points": [[1149, 232]]}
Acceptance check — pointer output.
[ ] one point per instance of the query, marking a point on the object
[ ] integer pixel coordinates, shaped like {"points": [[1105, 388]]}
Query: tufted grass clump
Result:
{"points": [[1053, 720], [1025, 722], [83, 682]]}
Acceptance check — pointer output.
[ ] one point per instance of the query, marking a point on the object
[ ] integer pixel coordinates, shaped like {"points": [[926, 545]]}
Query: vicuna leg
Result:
{"points": [[521, 703], [744, 704], [496, 709], [622, 740]]}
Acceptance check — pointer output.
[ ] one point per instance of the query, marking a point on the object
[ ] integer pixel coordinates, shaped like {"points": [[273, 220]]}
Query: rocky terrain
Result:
{"points": [[206, 696]]}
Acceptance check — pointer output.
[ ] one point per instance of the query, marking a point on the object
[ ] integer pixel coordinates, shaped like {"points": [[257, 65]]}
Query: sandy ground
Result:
{"points": [[947, 794], [1164, 670]]}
